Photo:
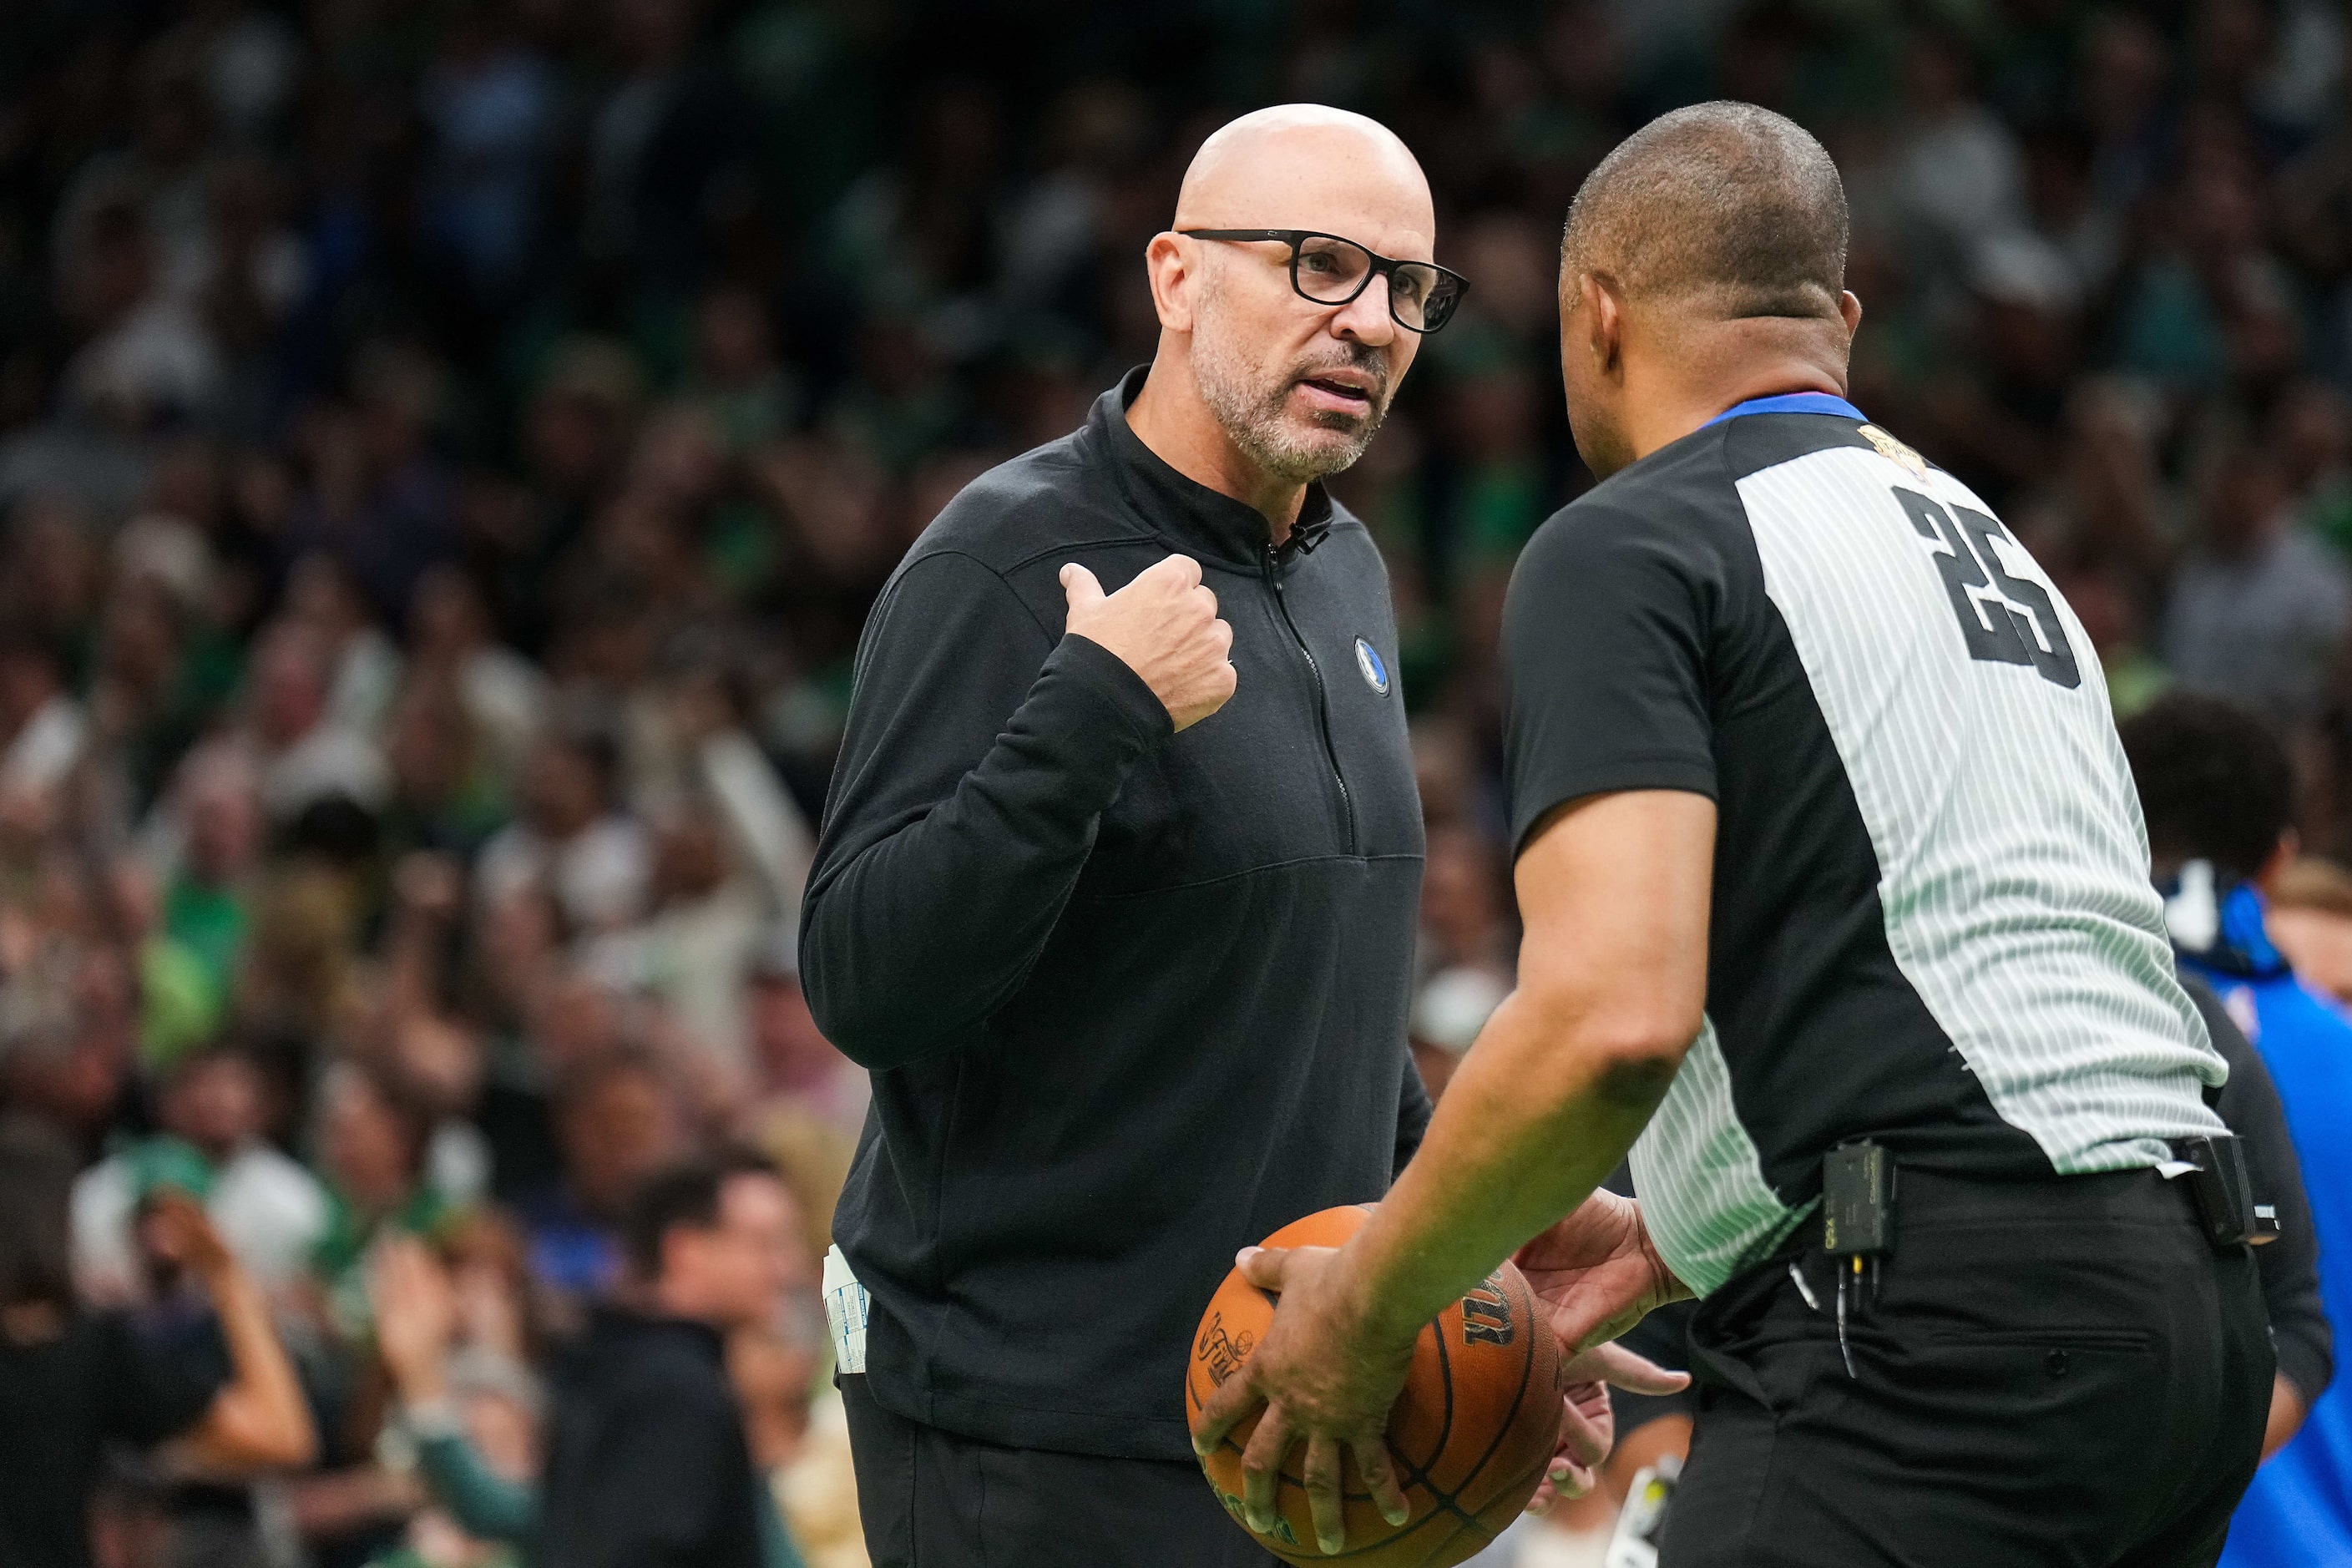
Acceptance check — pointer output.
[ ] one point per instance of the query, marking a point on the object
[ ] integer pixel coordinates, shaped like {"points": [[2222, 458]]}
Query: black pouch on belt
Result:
{"points": [[2216, 1181], [1858, 1201]]}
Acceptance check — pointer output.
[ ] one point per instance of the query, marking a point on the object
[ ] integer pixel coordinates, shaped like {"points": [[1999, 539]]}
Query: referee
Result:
{"points": [[1824, 838], [1117, 889]]}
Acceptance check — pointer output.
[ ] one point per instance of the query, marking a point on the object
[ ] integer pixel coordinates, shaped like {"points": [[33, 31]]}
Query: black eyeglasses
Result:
{"points": [[1330, 270]]}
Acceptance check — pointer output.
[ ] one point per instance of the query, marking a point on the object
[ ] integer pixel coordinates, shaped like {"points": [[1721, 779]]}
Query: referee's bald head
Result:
{"points": [[1725, 210]]}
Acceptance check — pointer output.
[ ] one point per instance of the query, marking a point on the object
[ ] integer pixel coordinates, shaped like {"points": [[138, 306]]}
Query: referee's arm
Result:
{"points": [[981, 750]]}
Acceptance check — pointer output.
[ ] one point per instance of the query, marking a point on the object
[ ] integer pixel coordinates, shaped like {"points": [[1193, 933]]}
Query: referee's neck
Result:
{"points": [[1663, 408], [1673, 372]]}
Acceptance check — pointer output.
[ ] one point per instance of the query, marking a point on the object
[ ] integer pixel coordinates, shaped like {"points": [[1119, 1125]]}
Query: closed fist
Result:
{"points": [[1163, 626]]}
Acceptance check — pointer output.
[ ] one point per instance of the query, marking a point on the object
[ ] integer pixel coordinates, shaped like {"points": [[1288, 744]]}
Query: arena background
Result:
{"points": [[448, 452]]}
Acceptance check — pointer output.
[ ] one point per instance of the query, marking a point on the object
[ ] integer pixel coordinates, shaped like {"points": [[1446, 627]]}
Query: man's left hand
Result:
{"points": [[1327, 1377]]}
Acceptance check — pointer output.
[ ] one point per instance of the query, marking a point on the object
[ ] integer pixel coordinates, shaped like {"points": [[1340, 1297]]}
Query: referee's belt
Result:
{"points": [[1859, 1187]]}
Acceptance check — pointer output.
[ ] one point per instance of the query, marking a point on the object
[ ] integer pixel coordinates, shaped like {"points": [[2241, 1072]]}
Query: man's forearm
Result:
{"points": [[1614, 891], [260, 1418], [929, 929], [1542, 1108]]}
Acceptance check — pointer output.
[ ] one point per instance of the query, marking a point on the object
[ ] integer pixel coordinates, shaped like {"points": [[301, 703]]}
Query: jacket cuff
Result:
{"points": [[1119, 696]]}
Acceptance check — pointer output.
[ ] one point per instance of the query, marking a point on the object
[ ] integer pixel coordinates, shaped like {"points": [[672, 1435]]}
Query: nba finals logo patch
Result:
{"points": [[1375, 672], [1895, 451]]}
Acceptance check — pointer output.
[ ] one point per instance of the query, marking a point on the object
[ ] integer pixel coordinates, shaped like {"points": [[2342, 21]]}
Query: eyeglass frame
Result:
{"points": [[1381, 267]]}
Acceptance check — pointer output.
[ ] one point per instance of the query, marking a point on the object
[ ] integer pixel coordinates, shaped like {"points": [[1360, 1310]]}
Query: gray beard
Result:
{"points": [[1250, 413]]}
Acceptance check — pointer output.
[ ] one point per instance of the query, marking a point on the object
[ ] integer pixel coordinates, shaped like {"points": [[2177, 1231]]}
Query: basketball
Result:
{"points": [[1476, 1424]]}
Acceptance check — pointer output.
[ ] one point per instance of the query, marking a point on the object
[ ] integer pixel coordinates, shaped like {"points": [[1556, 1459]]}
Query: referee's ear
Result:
{"points": [[1604, 309]]}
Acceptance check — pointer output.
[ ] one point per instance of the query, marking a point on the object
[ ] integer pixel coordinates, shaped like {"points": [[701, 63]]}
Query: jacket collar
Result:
{"points": [[1189, 515], [1793, 403], [2221, 932]]}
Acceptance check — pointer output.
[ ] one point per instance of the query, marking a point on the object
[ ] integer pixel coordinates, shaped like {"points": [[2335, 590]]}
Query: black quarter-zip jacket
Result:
{"points": [[1132, 999]]}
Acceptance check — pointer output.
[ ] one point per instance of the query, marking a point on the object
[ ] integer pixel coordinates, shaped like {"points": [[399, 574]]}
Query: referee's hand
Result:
{"points": [[1599, 1273], [1163, 626]]}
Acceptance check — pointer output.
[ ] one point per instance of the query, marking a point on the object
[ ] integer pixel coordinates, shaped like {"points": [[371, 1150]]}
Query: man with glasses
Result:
{"points": [[1117, 887]]}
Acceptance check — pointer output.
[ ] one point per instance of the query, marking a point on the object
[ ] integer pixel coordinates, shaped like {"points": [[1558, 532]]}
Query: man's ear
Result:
{"points": [[1604, 323], [1849, 307], [1172, 281]]}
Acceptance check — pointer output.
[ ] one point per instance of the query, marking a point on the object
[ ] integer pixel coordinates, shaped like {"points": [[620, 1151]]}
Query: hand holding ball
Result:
{"points": [[1469, 1439]]}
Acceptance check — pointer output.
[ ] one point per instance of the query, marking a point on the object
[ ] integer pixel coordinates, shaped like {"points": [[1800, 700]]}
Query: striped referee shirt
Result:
{"points": [[1932, 919]]}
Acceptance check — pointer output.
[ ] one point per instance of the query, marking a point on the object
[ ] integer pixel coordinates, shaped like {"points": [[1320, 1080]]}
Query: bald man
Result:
{"points": [[1836, 895], [1117, 889]]}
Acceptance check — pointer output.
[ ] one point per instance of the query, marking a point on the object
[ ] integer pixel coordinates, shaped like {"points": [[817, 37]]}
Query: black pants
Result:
{"points": [[2057, 1375], [931, 1499]]}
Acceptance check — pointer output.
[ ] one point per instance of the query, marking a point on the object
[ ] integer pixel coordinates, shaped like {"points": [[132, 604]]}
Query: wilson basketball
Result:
{"points": [[1478, 1420]]}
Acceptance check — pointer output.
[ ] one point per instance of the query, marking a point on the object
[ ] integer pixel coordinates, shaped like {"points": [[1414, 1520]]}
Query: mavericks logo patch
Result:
{"points": [[1376, 672]]}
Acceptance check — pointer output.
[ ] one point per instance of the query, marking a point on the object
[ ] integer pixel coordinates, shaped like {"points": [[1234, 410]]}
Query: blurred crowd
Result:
{"points": [[447, 451]]}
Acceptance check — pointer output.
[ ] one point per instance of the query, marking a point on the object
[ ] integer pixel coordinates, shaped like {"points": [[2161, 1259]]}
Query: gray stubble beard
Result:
{"points": [[1251, 413]]}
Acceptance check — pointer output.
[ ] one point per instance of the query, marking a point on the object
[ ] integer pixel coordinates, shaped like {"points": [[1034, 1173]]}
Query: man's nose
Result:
{"points": [[1365, 318]]}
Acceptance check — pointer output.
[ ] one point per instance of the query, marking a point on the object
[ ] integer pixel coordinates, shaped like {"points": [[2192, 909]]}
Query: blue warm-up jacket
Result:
{"points": [[2298, 1511]]}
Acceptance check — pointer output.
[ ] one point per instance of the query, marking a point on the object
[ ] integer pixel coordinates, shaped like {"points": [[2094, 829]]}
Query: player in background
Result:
{"points": [[2218, 790], [1832, 872]]}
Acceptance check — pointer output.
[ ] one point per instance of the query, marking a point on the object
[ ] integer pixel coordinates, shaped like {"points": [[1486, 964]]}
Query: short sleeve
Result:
{"points": [[149, 1395], [1606, 628]]}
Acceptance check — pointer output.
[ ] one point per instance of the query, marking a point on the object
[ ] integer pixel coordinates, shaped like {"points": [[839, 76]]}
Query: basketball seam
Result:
{"points": [[1444, 1546], [1526, 1372]]}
